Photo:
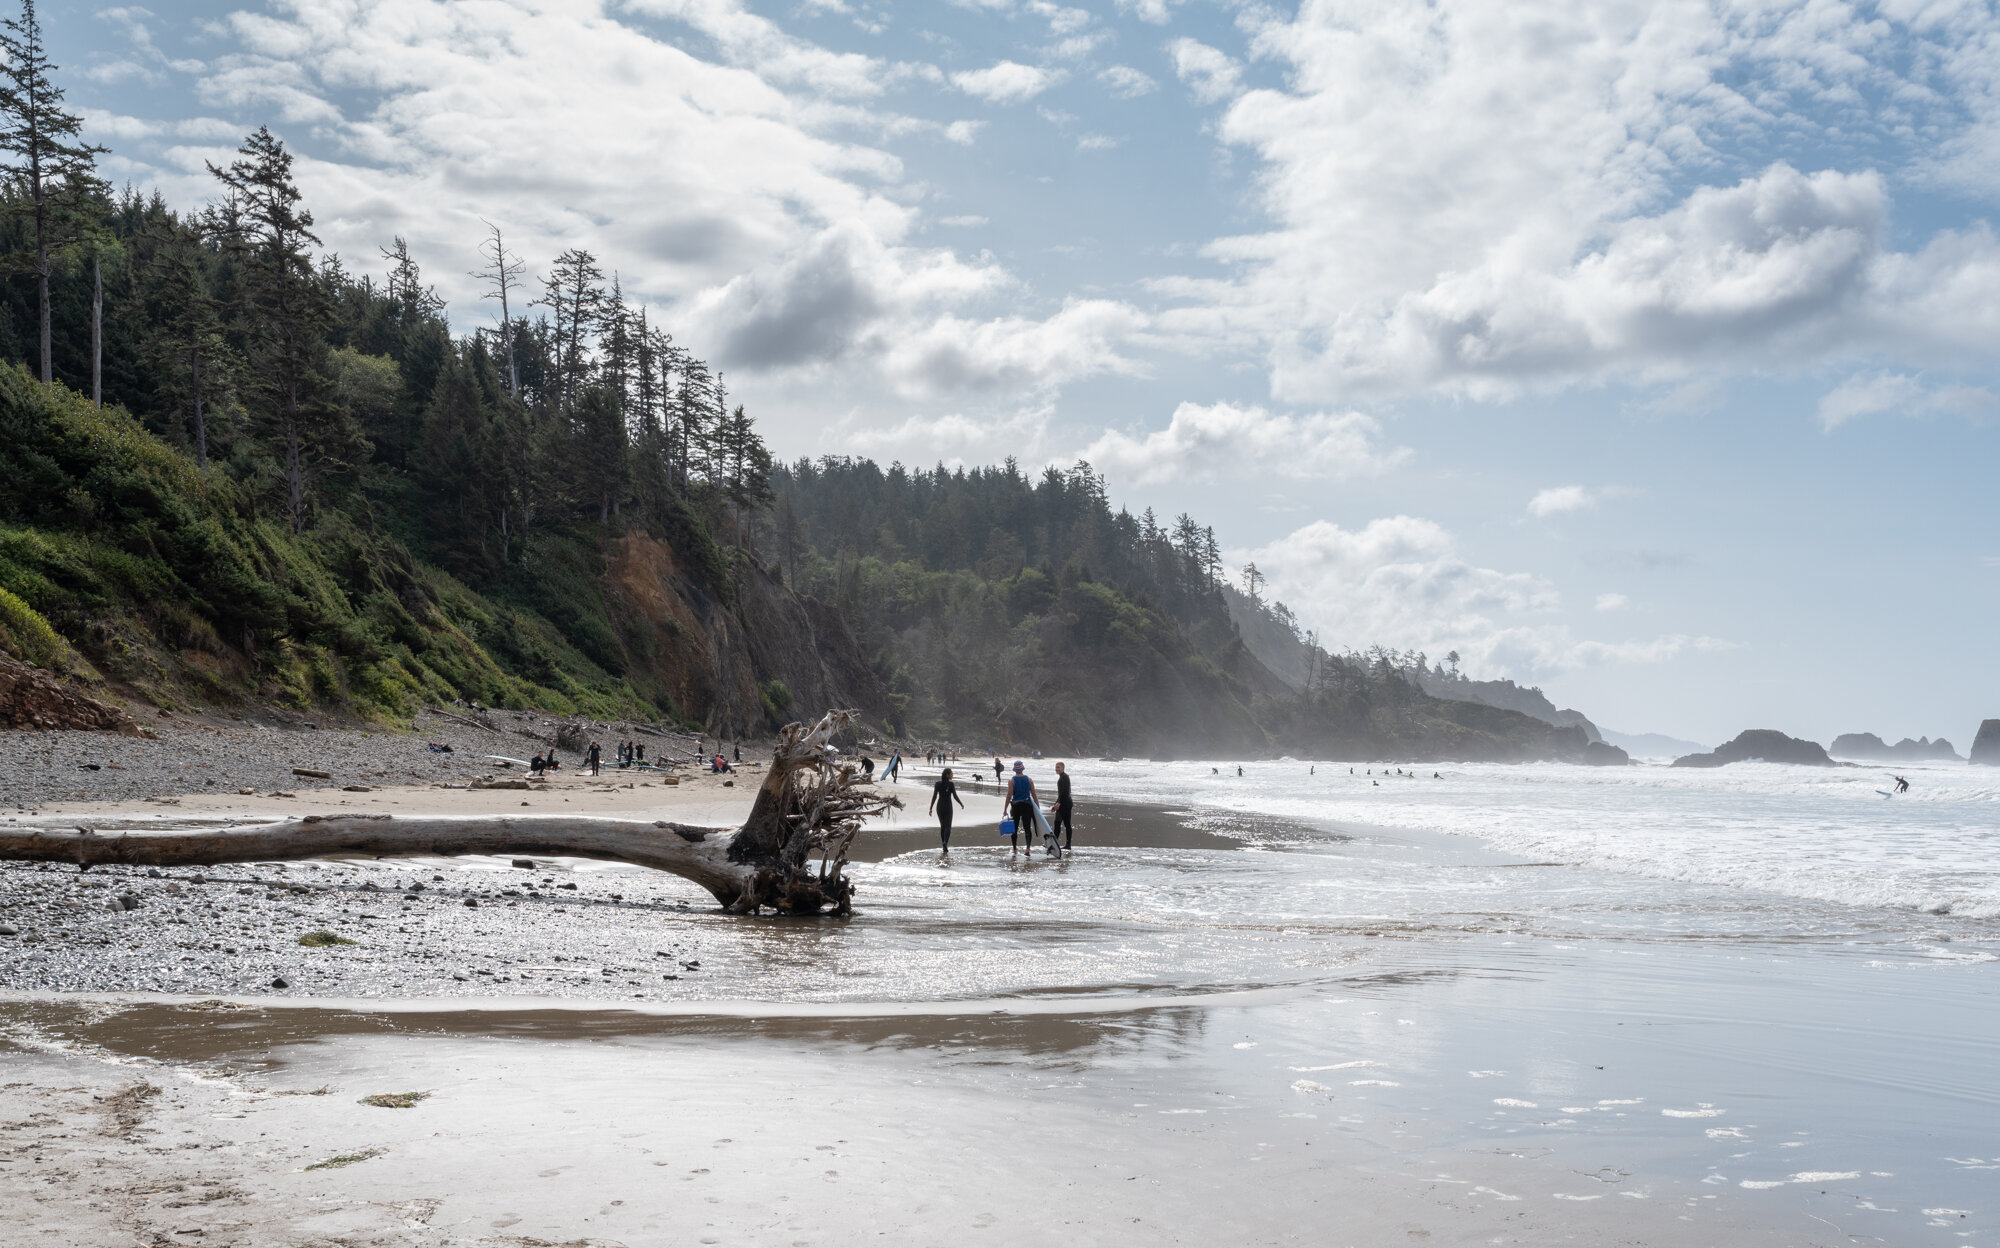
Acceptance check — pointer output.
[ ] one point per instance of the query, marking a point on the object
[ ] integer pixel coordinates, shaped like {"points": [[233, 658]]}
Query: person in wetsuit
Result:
{"points": [[1018, 799], [1902, 785], [1059, 814], [943, 794]]}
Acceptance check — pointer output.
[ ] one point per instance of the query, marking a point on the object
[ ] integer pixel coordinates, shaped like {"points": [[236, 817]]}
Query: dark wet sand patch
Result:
{"points": [[1099, 825]]}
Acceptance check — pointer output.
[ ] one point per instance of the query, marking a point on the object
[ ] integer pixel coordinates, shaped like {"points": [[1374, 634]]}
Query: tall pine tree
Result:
{"points": [[55, 171]]}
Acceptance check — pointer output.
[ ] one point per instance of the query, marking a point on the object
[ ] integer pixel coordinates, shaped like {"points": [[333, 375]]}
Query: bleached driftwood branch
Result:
{"points": [[807, 808]]}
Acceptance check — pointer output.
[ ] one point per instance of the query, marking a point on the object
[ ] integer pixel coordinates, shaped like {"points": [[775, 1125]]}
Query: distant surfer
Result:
{"points": [[943, 794], [1059, 814], [1902, 785], [1019, 800]]}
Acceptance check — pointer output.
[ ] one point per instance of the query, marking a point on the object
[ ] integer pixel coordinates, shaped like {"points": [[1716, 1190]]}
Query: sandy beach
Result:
{"points": [[1209, 1024]]}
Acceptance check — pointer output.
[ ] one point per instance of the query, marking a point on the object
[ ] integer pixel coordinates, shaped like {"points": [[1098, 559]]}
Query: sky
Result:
{"points": [[1641, 352]]}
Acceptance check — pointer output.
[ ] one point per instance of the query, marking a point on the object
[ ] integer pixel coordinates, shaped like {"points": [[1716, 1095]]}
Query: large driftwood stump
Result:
{"points": [[789, 855]]}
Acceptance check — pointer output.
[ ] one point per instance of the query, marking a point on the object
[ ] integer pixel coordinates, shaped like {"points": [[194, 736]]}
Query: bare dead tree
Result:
{"points": [[504, 270]]}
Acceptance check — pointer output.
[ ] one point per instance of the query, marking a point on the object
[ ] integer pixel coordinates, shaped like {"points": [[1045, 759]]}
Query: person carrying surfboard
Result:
{"points": [[1019, 800]]}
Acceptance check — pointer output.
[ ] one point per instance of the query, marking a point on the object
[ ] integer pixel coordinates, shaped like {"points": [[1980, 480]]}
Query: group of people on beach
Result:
{"points": [[630, 753], [1019, 802]]}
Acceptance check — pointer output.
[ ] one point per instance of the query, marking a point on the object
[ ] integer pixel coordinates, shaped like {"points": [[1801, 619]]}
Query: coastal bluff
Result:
{"points": [[1761, 744], [1986, 746]]}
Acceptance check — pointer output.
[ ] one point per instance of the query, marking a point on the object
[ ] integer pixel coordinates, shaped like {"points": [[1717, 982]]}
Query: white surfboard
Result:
{"points": [[1049, 841]]}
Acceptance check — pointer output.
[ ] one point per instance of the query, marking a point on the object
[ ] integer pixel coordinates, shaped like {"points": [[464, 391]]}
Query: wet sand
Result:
{"points": [[201, 1124]]}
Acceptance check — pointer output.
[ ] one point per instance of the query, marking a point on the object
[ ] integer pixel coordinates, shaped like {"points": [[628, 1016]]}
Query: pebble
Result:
{"points": [[247, 757], [8, 929]]}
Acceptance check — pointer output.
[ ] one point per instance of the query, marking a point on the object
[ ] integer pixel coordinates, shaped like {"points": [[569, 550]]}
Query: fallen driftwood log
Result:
{"points": [[806, 809]]}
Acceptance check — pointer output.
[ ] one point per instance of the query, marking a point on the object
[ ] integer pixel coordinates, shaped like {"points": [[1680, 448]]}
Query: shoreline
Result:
{"points": [[1484, 1060]]}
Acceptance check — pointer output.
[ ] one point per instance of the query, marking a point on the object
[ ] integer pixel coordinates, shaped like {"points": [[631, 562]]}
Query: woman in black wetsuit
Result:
{"points": [[943, 794]]}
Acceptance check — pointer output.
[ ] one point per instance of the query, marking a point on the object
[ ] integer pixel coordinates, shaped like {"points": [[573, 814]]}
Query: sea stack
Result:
{"points": [[1986, 746], [1761, 745]]}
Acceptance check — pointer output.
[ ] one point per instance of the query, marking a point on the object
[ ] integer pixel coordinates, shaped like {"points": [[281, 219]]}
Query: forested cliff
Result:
{"points": [[241, 469]]}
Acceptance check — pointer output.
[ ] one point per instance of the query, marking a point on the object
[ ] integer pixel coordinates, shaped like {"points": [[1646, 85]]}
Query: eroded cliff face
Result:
{"points": [[716, 659]]}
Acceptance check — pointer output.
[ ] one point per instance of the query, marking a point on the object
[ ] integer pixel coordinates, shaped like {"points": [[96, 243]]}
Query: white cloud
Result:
{"points": [[1008, 82], [1878, 393], [1612, 602], [1209, 72], [963, 132], [953, 353], [955, 439], [1483, 199], [1224, 440], [730, 194], [1158, 12], [1125, 82], [1558, 499], [1400, 582]]}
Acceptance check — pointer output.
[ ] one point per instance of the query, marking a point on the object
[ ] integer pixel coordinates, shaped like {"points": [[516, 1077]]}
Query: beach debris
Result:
{"points": [[356, 788], [311, 774], [490, 782], [395, 1100], [789, 855], [525, 863], [346, 1159], [280, 982], [323, 939]]}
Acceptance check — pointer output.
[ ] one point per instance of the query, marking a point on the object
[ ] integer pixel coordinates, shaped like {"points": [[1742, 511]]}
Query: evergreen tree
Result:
{"points": [[574, 294], [55, 175], [282, 318], [184, 345]]}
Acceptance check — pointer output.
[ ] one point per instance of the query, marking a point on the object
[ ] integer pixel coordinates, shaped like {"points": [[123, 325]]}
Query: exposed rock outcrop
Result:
{"points": [[1867, 745], [32, 698], [1604, 754], [1986, 746], [724, 664], [1762, 745]]}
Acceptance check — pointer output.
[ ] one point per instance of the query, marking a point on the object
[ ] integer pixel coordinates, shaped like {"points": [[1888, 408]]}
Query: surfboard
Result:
{"points": [[1885, 793], [502, 758], [1049, 841]]}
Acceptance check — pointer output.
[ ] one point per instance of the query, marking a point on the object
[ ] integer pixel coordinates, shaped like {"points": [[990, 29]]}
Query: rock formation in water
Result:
{"points": [[1866, 745], [1765, 744], [1986, 746]]}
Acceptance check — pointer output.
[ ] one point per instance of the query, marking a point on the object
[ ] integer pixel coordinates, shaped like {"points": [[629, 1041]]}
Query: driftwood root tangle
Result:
{"points": [[808, 807]]}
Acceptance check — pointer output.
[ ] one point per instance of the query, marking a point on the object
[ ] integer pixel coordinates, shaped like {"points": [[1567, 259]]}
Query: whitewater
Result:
{"points": [[1810, 833]]}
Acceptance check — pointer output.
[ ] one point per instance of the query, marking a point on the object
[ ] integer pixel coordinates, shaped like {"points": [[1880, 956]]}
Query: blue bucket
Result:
{"points": [[1006, 827]]}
